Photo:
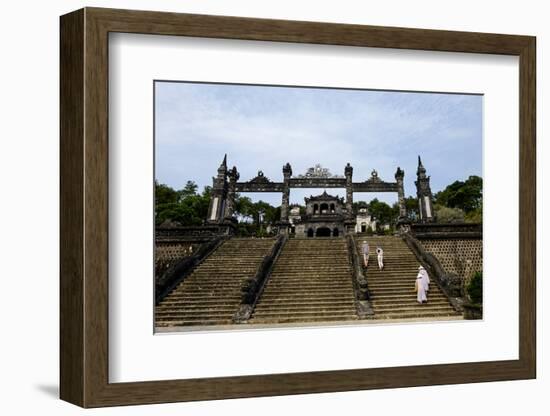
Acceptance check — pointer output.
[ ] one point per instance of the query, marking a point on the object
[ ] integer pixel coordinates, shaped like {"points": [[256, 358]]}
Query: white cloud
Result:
{"points": [[265, 127]]}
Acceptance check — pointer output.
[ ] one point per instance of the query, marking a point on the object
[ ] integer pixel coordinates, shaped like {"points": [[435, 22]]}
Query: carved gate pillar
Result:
{"points": [[216, 211], [399, 176], [230, 205], [424, 194], [348, 171], [287, 173]]}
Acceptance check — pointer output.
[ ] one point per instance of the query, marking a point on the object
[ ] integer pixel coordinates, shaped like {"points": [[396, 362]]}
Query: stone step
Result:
{"points": [[297, 277], [192, 302], [303, 319], [298, 267], [328, 283], [306, 297], [194, 307], [204, 300], [214, 284], [426, 307], [298, 313], [319, 278], [391, 285], [409, 295], [212, 293], [335, 293], [415, 314], [182, 323], [293, 302], [164, 315], [407, 302]]}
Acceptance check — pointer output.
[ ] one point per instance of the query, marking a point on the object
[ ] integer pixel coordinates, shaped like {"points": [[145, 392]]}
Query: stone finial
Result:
{"points": [[421, 171], [287, 169], [234, 174], [399, 173], [223, 166], [348, 170]]}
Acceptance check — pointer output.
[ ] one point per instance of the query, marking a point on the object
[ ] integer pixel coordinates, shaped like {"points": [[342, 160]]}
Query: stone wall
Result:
{"points": [[169, 253], [461, 256]]}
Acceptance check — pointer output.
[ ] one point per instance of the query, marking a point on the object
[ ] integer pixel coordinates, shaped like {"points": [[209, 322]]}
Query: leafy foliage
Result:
{"points": [[467, 196], [411, 203], [475, 288], [186, 206], [446, 214], [382, 212]]}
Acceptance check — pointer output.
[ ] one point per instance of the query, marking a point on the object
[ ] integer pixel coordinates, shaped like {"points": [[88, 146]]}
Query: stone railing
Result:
{"points": [[180, 270], [253, 287], [198, 234], [360, 284], [450, 283], [447, 231]]}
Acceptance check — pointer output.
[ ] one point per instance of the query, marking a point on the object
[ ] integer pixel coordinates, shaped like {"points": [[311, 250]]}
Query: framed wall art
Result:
{"points": [[255, 207]]}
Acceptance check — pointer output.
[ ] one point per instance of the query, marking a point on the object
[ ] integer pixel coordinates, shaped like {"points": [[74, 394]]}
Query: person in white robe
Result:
{"points": [[426, 277], [380, 256], [365, 251], [420, 289]]}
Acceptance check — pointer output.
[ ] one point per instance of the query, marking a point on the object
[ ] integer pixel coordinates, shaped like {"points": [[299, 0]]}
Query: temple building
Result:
{"points": [[325, 217], [364, 220]]}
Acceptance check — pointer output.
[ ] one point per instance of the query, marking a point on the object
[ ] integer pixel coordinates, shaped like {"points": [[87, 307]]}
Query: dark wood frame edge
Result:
{"points": [[84, 207]]}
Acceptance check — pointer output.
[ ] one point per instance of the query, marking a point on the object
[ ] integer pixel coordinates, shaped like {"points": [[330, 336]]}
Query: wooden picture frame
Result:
{"points": [[84, 207]]}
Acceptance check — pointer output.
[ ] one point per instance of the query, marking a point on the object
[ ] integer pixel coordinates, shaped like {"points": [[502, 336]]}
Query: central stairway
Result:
{"points": [[211, 294], [392, 289], [311, 282]]}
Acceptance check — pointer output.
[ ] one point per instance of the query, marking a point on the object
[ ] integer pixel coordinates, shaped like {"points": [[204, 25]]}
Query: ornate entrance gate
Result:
{"points": [[226, 184]]}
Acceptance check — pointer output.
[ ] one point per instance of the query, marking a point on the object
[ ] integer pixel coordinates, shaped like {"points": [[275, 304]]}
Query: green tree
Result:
{"points": [[411, 204], [467, 195], [446, 214], [475, 288], [185, 207], [383, 213], [244, 207], [164, 194], [189, 190]]}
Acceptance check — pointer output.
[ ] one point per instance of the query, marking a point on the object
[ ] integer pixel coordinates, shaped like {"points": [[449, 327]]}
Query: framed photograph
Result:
{"points": [[254, 207]]}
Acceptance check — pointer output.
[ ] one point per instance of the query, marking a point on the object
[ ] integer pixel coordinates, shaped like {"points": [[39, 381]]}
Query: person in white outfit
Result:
{"points": [[420, 289], [422, 271], [380, 255], [365, 250]]}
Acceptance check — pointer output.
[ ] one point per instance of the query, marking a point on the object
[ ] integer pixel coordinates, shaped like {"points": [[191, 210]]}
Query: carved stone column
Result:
{"points": [[230, 205], [348, 171], [399, 176], [287, 173]]}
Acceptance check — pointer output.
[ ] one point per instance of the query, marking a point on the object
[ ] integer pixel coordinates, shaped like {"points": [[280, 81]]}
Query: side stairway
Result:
{"points": [[311, 282], [211, 294], [392, 289]]}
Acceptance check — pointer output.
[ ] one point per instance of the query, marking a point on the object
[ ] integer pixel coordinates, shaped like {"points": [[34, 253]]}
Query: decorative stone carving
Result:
{"points": [[318, 171], [260, 179], [374, 177]]}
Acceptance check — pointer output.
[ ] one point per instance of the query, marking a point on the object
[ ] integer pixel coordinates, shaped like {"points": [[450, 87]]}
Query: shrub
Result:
{"points": [[444, 214], [475, 288]]}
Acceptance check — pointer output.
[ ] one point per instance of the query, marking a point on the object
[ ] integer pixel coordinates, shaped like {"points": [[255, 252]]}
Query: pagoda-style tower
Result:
{"points": [[424, 194], [216, 211]]}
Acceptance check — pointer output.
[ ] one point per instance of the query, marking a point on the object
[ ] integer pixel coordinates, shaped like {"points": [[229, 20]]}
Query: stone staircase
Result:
{"points": [[211, 294], [392, 289], [311, 282]]}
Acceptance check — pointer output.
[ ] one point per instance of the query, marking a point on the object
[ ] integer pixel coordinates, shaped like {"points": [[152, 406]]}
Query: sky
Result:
{"points": [[264, 127]]}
